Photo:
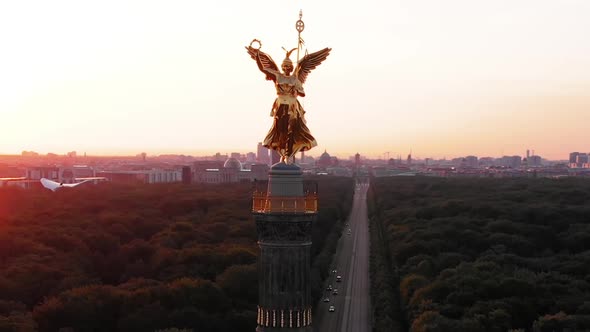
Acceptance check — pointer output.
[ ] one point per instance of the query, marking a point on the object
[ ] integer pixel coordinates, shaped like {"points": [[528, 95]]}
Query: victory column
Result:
{"points": [[285, 212]]}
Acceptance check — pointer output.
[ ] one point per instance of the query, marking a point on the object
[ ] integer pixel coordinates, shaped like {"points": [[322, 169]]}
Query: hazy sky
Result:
{"points": [[443, 78]]}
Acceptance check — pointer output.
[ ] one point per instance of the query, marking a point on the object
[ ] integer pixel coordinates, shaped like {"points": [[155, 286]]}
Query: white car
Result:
{"points": [[331, 308], [327, 299]]}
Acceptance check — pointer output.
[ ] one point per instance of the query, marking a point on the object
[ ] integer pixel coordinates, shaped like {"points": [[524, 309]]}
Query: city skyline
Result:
{"points": [[253, 154], [442, 80]]}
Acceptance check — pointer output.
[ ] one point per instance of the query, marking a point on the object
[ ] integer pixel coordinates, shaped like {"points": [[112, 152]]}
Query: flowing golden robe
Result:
{"points": [[288, 134]]}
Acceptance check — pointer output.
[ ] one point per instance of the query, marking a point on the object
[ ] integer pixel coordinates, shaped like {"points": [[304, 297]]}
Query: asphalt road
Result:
{"points": [[351, 262]]}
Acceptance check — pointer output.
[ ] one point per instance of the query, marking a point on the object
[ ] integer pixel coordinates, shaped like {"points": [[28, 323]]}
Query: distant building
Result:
{"points": [[486, 161], [219, 157], [9, 171], [510, 161], [61, 174], [143, 176], [275, 157], [325, 160], [262, 154], [259, 172], [187, 176], [399, 170], [48, 172], [309, 160], [471, 161], [578, 160], [534, 161], [207, 164], [231, 171], [458, 162], [29, 154], [339, 171]]}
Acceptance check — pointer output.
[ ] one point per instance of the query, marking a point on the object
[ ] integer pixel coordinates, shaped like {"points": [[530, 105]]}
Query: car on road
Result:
{"points": [[338, 278], [326, 299], [334, 271], [332, 308], [335, 292], [329, 288]]}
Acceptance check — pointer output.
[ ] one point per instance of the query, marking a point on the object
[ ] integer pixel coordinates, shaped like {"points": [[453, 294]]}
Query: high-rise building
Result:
{"points": [[275, 157], [574, 157], [262, 156]]}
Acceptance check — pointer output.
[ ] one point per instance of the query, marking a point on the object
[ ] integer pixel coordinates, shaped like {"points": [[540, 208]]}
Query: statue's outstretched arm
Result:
{"points": [[269, 72], [264, 61]]}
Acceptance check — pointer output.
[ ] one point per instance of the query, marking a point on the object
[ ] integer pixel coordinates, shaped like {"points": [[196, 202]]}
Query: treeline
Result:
{"points": [[485, 254], [136, 257], [386, 310]]}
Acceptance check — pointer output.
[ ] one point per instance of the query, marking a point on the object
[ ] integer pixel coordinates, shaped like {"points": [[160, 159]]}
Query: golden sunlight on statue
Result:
{"points": [[289, 133]]}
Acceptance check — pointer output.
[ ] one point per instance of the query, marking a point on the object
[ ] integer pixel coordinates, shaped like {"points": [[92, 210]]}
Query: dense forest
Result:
{"points": [[110, 257], [480, 254]]}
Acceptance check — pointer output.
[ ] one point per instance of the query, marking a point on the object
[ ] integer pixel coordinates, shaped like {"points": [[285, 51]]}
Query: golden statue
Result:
{"points": [[288, 134]]}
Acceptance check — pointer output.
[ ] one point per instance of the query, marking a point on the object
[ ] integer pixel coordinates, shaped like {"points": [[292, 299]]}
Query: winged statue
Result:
{"points": [[289, 133]]}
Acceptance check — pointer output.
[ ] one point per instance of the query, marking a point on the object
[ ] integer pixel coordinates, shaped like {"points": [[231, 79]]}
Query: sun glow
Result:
{"points": [[445, 79]]}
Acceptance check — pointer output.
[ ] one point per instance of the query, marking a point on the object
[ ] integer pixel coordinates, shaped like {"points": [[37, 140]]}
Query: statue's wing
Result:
{"points": [[265, 60], [309, 62]]}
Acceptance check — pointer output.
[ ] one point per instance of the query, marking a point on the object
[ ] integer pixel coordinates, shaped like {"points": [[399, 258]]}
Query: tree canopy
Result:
{"points": [[488, 254], [137, 257]]}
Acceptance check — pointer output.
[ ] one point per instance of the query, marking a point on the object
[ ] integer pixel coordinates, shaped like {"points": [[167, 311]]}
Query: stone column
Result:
{"points": [[283, 225]]}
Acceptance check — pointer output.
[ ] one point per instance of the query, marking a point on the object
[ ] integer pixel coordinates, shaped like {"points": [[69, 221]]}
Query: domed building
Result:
{"points": [[231, 171], [232, 163], [325, 160]]}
